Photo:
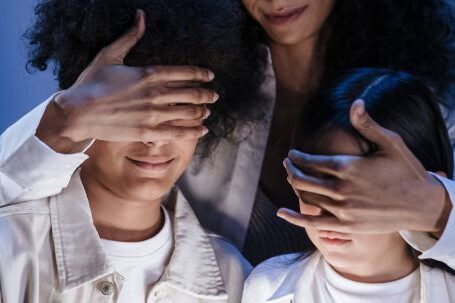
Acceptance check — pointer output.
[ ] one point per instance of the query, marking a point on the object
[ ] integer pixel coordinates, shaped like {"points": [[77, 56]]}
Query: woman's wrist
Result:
{"points": [[52, 126], [438, 211], [443, 218]]}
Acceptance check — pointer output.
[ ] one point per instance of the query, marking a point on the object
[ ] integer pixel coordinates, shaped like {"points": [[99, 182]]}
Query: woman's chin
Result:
{"points": [[288, 39]]}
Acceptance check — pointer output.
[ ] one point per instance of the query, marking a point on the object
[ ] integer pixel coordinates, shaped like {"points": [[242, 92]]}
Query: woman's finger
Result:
{"points": [[194, 95], [164, 132], [319, 201], [184, 112], [152, 95], [116, 52], [304, 182], [321, 222], [184, 123], [142, 134], [385, 139], [178, 73], [337, 165], [147, 117]]}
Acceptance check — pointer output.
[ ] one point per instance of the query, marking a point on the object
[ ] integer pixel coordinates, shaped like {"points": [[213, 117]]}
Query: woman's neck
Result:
{"points": [[299, 67], [119, 219], [396, 265]]}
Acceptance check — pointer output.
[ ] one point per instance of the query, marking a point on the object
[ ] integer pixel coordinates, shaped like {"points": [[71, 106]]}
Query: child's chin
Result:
{"points": [[147, 192], [339, 260]]}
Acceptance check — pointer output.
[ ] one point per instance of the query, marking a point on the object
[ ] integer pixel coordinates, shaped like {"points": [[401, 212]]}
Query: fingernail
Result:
{"points": [[216, 96], [291, 153], [360, 108], [281, 213], [207, 113], [138, 14], [211, 75]]}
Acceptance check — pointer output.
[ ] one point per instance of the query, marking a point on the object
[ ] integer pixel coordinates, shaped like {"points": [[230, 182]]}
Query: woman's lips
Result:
{"points": [[286, 16], [154, 165]]}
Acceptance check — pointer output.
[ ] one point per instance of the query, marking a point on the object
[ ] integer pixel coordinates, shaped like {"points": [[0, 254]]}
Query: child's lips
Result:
{"points": [[334, 235], [152, 163], [334, 241]]}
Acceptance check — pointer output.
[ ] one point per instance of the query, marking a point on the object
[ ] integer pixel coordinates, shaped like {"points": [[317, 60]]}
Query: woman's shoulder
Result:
{"points": [[268, 276]]}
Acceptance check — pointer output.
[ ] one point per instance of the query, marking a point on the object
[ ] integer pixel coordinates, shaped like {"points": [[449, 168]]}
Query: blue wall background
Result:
{"points": [[19, 90]]}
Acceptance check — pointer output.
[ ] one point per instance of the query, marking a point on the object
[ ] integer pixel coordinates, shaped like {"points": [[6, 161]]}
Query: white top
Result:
{"points": [[292, 279], [140, 263], [334, 288]]}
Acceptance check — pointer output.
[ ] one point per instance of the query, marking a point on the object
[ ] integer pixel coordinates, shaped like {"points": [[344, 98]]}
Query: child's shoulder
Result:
{"points": [[24, 231], [270, 274], [278, 264]]}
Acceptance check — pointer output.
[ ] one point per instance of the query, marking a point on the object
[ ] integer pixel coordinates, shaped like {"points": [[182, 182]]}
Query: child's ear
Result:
{"points": [[442, 174]]}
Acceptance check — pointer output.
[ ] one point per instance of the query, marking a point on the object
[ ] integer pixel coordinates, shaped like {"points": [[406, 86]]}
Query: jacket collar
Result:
{"points": [[80, 257], [193, 267], [79, 253]]}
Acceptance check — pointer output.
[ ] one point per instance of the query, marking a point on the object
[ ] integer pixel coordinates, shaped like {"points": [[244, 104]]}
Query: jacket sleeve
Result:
{"points": [[29, 169], [442, 249]]}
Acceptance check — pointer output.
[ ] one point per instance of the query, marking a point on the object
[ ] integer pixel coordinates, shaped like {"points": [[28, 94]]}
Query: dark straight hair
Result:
{"points": [[397, 101]]}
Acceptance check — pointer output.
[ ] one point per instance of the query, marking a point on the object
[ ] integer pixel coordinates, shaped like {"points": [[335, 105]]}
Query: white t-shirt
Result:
{"points": [[334, 288], [141, 263]]}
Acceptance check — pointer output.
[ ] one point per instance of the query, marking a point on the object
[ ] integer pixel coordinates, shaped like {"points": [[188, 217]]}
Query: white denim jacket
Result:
{"points": [[51, 252], [288, 279]]}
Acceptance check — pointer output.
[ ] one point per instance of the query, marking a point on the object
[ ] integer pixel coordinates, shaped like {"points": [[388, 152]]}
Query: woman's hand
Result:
{"points": [[385, 192], [114, 102]]}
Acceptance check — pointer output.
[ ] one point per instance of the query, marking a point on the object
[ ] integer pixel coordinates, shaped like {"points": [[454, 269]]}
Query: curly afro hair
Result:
{"points": [[415, 36], [211, 34]]}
